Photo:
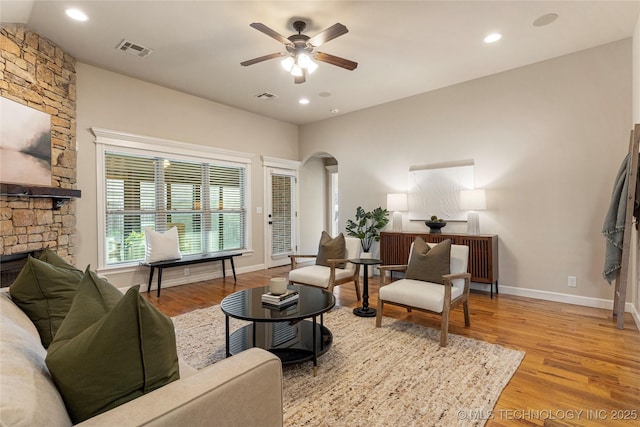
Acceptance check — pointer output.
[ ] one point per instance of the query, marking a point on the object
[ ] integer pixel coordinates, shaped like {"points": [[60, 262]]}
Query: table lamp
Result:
{"points": [[397, 202], [472, 201]]}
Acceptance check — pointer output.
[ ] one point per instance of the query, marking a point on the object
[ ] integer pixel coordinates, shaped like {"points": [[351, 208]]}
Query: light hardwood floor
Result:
{"points": [[579, 370]]}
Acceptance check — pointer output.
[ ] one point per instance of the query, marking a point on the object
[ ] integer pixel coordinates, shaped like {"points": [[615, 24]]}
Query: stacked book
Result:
{"points": [[278, 301]]}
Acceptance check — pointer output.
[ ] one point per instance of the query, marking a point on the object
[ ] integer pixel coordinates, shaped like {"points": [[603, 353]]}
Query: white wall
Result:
{"points": [[636, 72], [547, 140], [113, 101], [635, 284], [312, 190]]}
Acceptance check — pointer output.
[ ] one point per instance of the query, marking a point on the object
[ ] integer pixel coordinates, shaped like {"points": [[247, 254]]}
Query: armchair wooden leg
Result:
{"points": [[444, 328], [357, 285], [379, 313]]}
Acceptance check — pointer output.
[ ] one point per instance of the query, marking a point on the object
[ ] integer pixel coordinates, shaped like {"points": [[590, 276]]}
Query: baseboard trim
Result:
{"points": [[193, 278], [636, 315], [565, 298]]}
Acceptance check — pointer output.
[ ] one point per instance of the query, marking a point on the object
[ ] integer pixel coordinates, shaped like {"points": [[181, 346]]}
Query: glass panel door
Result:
{"points": [[281, 216]]}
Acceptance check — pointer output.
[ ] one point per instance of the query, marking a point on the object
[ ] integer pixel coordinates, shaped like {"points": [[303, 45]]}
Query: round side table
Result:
{"points": [[365, 310]]}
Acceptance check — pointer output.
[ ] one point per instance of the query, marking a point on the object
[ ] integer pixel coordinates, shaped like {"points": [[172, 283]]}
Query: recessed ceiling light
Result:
{"points": [[492, 38], [303, 101], [76, 14], [334, 110], [545, 20]]}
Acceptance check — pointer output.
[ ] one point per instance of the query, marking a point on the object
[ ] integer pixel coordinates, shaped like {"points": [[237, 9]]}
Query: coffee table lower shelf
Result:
{"points": [[291, 343]]}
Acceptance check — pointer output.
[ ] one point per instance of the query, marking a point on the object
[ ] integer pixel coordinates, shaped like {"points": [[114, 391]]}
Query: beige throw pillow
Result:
{"points": [[429, 264], [331, 248]]}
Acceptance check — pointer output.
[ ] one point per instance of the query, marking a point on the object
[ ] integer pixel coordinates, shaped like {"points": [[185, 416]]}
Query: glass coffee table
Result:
{"points": [[284, 332]]}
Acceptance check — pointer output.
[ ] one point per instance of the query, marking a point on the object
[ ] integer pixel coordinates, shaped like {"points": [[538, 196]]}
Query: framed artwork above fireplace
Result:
{"points": [[25, 144]]}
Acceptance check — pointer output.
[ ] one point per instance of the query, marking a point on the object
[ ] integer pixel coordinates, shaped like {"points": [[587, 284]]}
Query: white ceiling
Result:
{"points": [[402, 48]]}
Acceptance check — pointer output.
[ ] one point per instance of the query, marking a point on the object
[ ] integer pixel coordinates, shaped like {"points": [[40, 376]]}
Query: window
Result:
{"points": [[205, 200]]}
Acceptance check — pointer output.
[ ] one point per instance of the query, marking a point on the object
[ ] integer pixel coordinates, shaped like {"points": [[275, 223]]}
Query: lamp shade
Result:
{"points": [[397, 202], [473, 200]]}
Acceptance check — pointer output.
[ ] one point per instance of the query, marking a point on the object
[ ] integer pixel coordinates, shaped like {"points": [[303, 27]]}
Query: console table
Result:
{"points": [[483, 251]]}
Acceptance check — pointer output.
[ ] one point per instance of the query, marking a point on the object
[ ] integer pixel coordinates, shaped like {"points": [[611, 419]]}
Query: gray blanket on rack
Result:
{"points": [[614, 222]]}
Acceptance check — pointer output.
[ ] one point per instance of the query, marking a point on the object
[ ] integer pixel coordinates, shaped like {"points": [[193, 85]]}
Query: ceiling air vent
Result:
{"points": [[133, 49], [265, 96]]}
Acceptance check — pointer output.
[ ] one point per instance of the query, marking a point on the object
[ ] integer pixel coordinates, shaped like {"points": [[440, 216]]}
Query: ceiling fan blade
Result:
{"points": [[335, 60], [299, 79], [261, 58], [336, 30], [271, 33]]}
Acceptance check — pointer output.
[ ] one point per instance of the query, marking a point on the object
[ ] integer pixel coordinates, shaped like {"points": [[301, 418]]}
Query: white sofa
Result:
{"points": [[243, 390]]}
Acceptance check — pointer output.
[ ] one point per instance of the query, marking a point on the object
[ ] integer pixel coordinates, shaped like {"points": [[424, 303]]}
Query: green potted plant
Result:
{"points": [[367, 226]]}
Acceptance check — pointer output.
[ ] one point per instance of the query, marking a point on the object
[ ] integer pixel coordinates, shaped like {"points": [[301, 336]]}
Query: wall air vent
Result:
{"points": [[133, 49], [265, 96]]}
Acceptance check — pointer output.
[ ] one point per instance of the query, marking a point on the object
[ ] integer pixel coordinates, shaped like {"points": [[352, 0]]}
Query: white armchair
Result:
{"points": [[428, 296], [327, 277]]}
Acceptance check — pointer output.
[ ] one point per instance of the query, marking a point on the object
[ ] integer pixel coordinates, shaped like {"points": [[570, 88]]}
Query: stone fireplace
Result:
{"points": [[37, 73]]}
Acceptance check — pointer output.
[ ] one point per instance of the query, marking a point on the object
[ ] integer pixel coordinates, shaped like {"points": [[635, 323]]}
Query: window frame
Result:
{"points": [[127, 143]]}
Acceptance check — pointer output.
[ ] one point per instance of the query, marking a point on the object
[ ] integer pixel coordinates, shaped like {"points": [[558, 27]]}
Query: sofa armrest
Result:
{"points": [[243, 390]]}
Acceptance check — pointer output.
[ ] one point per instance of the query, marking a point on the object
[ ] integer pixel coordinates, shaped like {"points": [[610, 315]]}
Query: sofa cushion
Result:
{"points": [[50, 257], [45, 293], [412, 293], [316, 275], [29, 396], [429, 264], [161, 246], [331, 248], [110, 350]]}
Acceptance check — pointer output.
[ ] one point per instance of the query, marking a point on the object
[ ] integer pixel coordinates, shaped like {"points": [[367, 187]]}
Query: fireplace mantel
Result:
{"points": [[58, 195]]}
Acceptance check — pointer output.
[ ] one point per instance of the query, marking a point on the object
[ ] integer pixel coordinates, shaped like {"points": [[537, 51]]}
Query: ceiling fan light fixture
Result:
{"points": [[288, 63], [303, 60], [311, 67], [296, 71]]}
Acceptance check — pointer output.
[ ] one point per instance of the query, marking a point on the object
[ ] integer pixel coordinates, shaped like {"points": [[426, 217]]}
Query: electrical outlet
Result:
{"points": [[572, 282], [187, 271]]}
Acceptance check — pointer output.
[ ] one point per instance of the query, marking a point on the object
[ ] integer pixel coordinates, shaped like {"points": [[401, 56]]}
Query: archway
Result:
{"points": [[318, 188]]}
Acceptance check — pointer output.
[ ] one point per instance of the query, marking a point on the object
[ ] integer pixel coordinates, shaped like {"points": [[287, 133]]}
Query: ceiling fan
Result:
{"points": [[300, 55]]}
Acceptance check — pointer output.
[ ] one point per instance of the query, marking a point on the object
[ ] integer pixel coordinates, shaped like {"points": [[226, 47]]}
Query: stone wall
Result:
{"points": [[37, 73]]}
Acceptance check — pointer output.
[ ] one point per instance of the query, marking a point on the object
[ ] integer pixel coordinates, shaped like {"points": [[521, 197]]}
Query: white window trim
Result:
{"points": [[146, 145]]}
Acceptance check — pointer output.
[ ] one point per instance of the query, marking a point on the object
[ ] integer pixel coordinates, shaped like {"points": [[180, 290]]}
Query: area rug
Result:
{"points": [[394, 375]]}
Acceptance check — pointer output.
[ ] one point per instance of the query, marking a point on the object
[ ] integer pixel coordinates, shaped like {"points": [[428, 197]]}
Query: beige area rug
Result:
{"points": [[393, 375]]}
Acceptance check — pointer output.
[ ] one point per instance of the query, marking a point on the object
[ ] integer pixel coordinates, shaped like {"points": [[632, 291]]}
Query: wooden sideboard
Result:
{"points": [[483, 252]]}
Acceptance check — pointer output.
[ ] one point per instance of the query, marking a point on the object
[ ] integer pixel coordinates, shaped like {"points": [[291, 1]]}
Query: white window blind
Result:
{"points": [[205, 201]]}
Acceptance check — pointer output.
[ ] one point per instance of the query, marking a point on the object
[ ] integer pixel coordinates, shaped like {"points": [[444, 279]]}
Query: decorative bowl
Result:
{"points": [[435, 226]]}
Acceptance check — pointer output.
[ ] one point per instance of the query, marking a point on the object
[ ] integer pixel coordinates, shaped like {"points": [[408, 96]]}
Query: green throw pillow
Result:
{"points": [[53, 258], [331, 248], [429, 264], [45, 292], [110, 349]]}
